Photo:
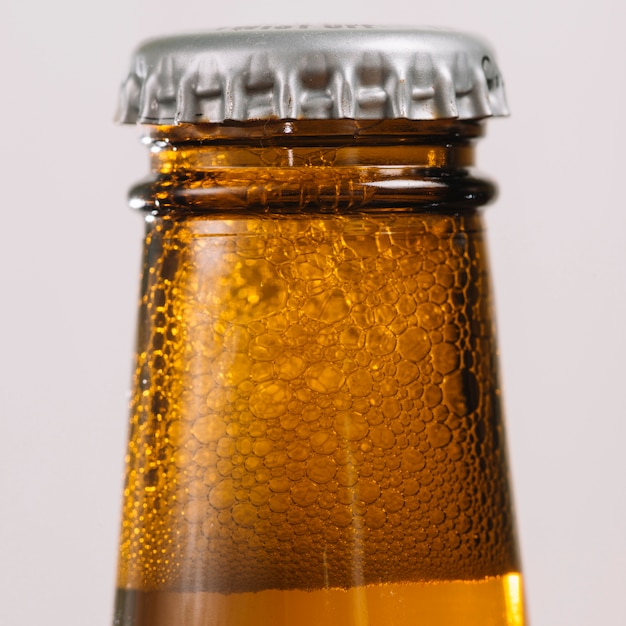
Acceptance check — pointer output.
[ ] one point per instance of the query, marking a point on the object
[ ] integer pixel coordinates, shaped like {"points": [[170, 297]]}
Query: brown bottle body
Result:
{"points": [[316, 431]]}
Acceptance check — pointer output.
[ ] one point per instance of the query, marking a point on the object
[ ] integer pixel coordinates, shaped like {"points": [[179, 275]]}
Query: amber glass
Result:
{"points": [[316, 436]]}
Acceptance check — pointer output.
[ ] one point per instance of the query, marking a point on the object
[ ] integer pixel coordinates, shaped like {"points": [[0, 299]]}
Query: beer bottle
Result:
{"points": [[316, 434]]}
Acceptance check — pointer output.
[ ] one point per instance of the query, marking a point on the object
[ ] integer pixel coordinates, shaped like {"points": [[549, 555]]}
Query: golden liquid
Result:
{"points": [[316, 427], [491, 602]]}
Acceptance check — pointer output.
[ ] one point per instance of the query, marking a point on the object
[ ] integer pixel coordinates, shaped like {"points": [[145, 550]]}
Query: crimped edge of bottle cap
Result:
{"points": [[312, 72]]}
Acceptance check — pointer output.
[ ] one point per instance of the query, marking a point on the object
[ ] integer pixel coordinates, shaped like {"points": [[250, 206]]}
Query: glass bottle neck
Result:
{"points": [[330, 166]]}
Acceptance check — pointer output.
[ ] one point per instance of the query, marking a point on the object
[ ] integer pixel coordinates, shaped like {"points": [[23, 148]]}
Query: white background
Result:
{"points": [[69, 262]]}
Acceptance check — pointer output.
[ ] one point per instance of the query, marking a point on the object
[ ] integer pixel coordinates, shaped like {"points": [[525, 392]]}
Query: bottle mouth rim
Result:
{"points": [[315, 132]]}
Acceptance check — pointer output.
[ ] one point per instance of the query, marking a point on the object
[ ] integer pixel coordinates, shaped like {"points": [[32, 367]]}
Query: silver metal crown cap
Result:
{"points": [[306, 72]]}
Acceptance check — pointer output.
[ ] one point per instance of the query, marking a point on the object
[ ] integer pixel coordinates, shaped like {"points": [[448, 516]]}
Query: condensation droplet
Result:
{"points": [[429, 315], [445, 357], [329, 307], [413, 460], [380, 340], [270, 399], [321, 469], [341, 516], [367, 490], [360, 383], [305, 492], [439, 435], [324, 377], [208, 428], [351, 425], [290, 366], [414, 344], [245, 515], [323, 442], [222, 496], [382, 437], [375, 517]]}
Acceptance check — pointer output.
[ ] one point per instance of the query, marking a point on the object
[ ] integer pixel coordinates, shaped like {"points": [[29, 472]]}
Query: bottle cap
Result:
{"points": [[312, 72]]}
